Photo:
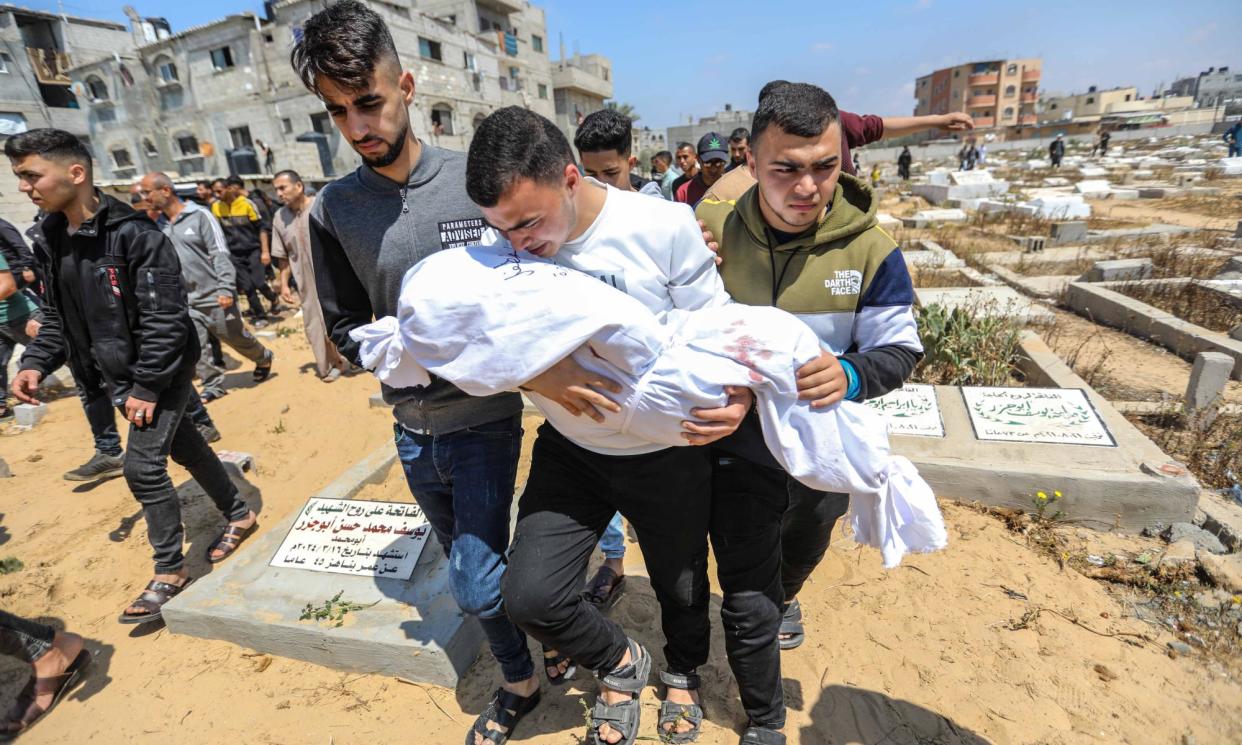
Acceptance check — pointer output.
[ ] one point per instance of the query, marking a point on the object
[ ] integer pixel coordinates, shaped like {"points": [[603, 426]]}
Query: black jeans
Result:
{"points": [[571, 496], [748, 504], [146, 470], [23, 638], [101, 416], [806, 532], [251, 281]]}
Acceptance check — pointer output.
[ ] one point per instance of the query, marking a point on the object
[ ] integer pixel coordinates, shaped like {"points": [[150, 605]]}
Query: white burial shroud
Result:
{"points": [[489, 319]]}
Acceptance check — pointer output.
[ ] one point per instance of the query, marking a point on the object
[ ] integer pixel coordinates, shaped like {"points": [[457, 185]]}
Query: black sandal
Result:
{"points": [[596, 595], [792, 632], [554, 663], [506, 709], [208, 396], [229, 541], [622, 717], [57, 685], [761, 736], [671, 713], [152, 601]]}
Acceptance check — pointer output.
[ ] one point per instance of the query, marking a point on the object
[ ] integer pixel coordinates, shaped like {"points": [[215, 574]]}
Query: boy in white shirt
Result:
{"points": [[521, 173]]}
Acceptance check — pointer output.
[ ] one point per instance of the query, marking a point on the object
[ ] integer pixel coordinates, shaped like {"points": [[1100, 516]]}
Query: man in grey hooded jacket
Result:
{"points": [[209, 278]]}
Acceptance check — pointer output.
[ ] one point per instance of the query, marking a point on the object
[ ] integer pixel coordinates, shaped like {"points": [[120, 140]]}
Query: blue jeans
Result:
{"points": [[463, 481], [612, 543]]}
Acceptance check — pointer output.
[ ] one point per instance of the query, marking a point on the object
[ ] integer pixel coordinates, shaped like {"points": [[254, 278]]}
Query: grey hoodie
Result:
{"points": [[206, 269], [366, 231]]}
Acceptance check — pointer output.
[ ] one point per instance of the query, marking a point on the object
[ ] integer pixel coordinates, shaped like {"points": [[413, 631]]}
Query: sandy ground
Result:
{"points": [[921, 654]]}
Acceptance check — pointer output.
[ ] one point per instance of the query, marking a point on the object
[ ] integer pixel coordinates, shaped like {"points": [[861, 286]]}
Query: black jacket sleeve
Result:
{"points": [[162, 331], [342, 296], [16, 253], [882, 369], [48, 351]]}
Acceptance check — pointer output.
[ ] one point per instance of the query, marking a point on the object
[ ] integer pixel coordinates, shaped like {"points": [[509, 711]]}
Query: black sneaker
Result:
{"points": [[210, 434], [100, 466]]}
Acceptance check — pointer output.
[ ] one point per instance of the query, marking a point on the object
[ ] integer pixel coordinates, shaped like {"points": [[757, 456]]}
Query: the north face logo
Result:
{"points": [[845, 282]]}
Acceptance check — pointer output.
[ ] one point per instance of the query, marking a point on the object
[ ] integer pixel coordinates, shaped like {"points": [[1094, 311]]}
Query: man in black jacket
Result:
{"points": [[114, 294]]}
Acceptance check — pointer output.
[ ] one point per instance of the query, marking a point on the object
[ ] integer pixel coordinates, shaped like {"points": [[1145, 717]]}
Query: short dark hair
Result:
{"points": [[771, 86], [606, 129], [290, 174], [665, 156], [682, 145], [799, 109], [215, 181], [343, 43], [512, 144], [739, 134], [203, 182], [46, 142], [234, 181]]}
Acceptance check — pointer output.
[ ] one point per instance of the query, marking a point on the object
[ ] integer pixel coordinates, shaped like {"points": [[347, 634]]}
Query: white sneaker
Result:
{"points": [[333, 375]]}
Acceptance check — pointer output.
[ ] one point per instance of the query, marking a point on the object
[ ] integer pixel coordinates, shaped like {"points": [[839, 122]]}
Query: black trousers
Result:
{"points": [[749, 502], [806, 532], [24, 639], [570, 498], [251, 281], [146, 471]]}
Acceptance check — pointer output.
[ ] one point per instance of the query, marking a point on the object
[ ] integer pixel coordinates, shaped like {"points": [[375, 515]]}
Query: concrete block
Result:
{"points": [[925, 218], [377, 401], [1231, 270], [5, 471], [1070, 231], [1102, 304], [414, 631], [28, 415], [1193, 534], [1158, 192], [1124, 194], [1119, 270], [1030, 243], [887, 221], [1208, 378], [1061, 206], [1236, 333], [1222, 517], [1225, 571]]}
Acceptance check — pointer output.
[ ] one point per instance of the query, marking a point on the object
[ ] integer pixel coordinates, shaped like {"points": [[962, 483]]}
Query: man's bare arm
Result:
{"points": [[957, 121]]}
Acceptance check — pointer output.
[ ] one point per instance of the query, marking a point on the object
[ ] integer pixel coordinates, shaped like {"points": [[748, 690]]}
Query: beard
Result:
{"points": [[389, 156]]}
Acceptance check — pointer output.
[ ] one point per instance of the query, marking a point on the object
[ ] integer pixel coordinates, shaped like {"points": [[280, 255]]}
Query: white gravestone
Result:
{"points": [[911, 410], [349, 536], [1052, 415]]}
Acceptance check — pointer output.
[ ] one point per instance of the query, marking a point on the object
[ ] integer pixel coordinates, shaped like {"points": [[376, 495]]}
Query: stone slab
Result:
{"points": [[414, 631], [1119, 270], [927, 218], [28, 415], [1222, 518], [376, 401], [5, 471], [1102, 304], [1093, 187], [1069, 231], [1104, 488], [1225, 571], [1208, 378], [1124, 194], [990, 301]]}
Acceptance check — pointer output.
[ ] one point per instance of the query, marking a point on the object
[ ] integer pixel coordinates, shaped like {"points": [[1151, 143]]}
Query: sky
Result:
{"points": [[672, 60]]}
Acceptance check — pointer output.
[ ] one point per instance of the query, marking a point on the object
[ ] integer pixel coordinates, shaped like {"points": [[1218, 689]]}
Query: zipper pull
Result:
{"points": [[405, 207]]}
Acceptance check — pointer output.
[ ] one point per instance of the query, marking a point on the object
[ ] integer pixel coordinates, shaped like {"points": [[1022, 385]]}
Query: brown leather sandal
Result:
{"points": [[152, 600], [23, 715], [229, 541]]}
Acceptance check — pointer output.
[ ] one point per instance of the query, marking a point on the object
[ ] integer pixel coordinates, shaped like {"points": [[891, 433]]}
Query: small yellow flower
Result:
{"points": [[1237, 599], [1065, 555], [1041, 495], [1057, 493]]}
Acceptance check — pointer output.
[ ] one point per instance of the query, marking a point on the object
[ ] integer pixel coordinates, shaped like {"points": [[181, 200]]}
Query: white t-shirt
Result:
{"points": [[653, 251]]}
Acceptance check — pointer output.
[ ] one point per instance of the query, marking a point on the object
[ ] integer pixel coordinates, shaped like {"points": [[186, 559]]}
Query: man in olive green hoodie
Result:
{"points": [[804, 239]]}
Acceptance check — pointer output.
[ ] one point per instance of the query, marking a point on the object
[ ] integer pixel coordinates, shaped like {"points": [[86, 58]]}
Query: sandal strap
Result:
{"points": [[762, 736], [624, 714], [792, 612], [51, 684], [683, 681], [605, 577], [632, 677]]}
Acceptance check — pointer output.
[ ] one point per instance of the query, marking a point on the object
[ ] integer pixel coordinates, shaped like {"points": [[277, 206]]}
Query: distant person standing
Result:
{"points": [[203, 194], [1105, 136], [1233, 138], [665, 172], [1056, 151], [982, 154], [268, 155], [688, 163], [247, 236], [904, 161], [739, 148], [712, 158], [291, 251]]}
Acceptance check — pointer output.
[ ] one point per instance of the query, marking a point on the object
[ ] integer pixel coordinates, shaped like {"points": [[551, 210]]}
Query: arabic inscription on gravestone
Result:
{"points": [[350, 536], [1062, 416]]}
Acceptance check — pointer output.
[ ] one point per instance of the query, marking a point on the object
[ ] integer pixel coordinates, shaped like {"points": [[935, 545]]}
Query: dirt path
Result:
{"points": [[924, 653]]}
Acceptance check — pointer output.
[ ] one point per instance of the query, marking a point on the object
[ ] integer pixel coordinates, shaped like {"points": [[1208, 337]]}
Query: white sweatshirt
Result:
{"points": [[489, 319], [653, 251]]}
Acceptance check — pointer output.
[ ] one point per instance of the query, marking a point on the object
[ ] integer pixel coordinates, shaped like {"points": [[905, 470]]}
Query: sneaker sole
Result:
{"points": [[97, 477]]}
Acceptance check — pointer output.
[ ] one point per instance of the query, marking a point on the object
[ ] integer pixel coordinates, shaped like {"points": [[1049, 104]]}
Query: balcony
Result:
{"points": [[1030, 75], [980, 102], [1027, 119], [984, 121], [501, 7], [1029, 98], [50, 66], [984, 78], [577, 79]]}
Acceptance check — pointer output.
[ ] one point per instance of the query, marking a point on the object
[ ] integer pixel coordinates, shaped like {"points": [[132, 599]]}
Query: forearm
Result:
{"points": [[8, 284], [896, 126], [882, 369], [342, 296]]}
